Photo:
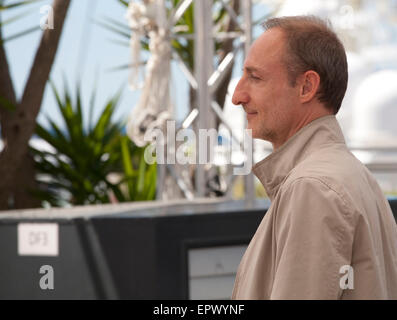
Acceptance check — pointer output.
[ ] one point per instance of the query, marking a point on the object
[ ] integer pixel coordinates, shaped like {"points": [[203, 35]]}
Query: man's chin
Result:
{"points": [[257, 134]]}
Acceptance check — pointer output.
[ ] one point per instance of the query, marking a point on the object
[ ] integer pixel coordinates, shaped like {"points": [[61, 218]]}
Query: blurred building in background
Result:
{"points": [[368, 114]]}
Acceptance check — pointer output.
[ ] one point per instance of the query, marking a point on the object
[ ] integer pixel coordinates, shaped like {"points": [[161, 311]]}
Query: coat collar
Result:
{"points": [[272, 170]]}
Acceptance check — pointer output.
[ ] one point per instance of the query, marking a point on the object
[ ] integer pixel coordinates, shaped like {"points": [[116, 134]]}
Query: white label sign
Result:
{"points": [[38, 239]]}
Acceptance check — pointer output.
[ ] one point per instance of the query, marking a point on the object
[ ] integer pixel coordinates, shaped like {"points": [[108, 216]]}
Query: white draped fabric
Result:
{"points": [[154, 106]]}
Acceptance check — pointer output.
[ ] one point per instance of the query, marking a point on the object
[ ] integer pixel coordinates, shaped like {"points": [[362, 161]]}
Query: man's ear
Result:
{"points": [[309, 85]]}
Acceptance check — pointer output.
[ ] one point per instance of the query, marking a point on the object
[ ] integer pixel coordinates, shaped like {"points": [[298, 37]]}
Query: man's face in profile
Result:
{"points": [[264, 90]]}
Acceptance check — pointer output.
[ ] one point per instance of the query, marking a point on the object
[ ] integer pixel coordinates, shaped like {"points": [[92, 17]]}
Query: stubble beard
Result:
{"points": [[262, 133]]}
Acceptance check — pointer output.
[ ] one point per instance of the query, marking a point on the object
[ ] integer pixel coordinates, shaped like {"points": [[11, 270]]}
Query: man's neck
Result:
{"points": [[303, 121]]}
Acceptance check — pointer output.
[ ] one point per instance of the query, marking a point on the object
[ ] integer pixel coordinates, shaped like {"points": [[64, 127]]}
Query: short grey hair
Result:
{"points": [[311, 44]]}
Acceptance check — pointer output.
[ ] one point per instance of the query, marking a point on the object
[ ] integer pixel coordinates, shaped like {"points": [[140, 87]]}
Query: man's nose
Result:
{"points": [[240, 95]]}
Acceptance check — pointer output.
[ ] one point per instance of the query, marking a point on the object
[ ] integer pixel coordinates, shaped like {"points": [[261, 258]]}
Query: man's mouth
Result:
{"points": [[251, 114]]}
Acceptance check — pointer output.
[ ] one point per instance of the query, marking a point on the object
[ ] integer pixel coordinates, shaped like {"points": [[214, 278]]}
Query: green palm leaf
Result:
{"points": [[16, 4], [85, 157]]}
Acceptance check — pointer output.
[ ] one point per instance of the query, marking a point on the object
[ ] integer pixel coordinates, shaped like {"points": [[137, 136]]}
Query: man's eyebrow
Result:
{"points": [[252, 69]]}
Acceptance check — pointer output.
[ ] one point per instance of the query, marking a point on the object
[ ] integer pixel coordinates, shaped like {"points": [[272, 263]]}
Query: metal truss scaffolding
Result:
{"points": [[205, 80]]}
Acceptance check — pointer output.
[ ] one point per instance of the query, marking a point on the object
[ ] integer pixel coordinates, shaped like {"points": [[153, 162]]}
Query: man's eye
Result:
{"points": [[254, 77]]}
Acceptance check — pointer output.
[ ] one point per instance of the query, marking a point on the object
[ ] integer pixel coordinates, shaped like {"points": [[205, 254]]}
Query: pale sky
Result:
{"points": [[86, 52]]}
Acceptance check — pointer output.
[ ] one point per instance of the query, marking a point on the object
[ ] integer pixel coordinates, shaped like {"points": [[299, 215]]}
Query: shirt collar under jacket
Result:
{"points": [[272, 170]]}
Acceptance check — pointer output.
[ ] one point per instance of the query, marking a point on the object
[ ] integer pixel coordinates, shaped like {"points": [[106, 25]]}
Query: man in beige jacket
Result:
{"points": [[329, 232]]}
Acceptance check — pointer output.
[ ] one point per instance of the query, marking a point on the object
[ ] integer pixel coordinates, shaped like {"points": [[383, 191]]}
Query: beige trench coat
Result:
{"points": [[329, 232]]}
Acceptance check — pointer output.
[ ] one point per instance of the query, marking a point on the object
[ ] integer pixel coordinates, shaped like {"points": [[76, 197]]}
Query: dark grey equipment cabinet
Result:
{"points": [[129, 253], [161, 251], [19, 274]]}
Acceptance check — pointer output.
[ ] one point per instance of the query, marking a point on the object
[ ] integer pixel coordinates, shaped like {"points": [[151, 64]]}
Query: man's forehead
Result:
{"points": [[268, 48]]}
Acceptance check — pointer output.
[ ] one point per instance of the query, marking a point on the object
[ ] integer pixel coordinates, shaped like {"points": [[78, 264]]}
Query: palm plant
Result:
{"points": [[97, 164]]}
